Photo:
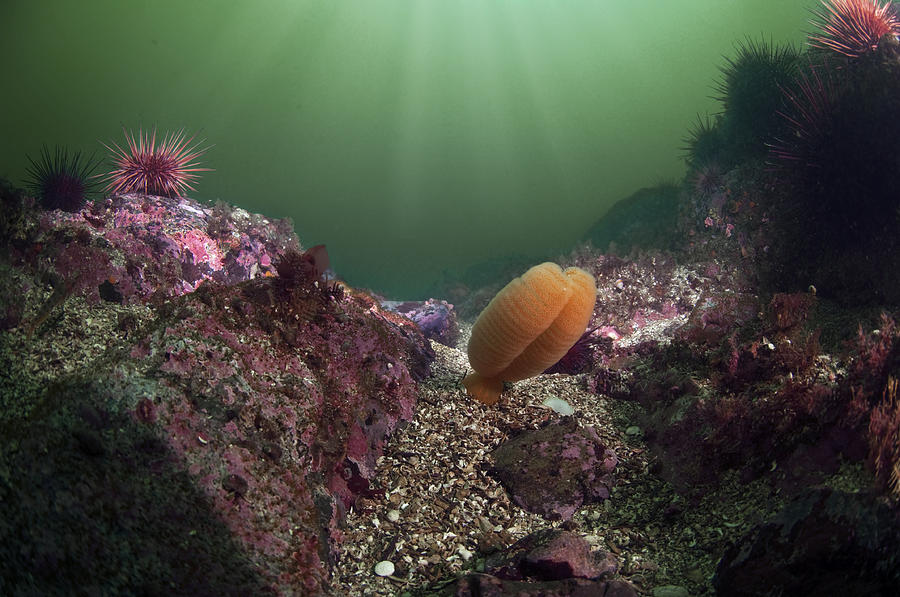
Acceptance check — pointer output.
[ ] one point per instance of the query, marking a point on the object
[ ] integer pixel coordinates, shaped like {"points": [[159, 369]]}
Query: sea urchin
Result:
{"points": [[704, 142], [809, 116], [750, 93], [61, 181], [167, 169], [852, 27]]}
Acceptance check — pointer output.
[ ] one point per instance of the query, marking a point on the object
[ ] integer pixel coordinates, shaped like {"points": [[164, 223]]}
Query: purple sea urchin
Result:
{"points": [[707, 179], [167, 169], [580, 357], [704, 142], [749, 93], [61, 181]]}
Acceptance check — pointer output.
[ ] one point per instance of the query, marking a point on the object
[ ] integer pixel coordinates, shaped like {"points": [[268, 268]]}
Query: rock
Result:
{"points": [[646, 219], [825, 542], [436, 318], [555, 470], [227, 430], [550, 554], [485, 585], [670, 591], [133, 247], [548, 563]]}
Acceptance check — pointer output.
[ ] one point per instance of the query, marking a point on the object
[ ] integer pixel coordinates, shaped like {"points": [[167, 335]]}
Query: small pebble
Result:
{"points": [[633, 430], [384, 568], [393, 515]]}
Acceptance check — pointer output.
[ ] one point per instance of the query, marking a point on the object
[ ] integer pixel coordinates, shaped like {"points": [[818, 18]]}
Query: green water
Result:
{"points": [[411, 136]]}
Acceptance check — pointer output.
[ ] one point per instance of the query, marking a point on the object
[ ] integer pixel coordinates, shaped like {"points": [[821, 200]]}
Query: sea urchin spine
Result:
{"points": [[852, 27], [61, 181], [167, 169], [808, 115]]}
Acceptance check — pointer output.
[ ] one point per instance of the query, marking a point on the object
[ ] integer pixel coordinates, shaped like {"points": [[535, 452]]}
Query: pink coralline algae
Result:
{"points": [[736, 381], [551, 562], [729, 380], [436, 318], [140, 246], [267, 393], [555, 470], [258, 419]]}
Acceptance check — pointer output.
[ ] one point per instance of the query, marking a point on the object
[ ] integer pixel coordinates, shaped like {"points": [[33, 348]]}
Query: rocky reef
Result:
{"points": [[182, 413], [190, 405], [193, 407]]}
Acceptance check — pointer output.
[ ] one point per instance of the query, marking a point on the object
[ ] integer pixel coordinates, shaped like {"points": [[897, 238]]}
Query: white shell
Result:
{"points": [[384, 568], [559, 405], [464, 553]]}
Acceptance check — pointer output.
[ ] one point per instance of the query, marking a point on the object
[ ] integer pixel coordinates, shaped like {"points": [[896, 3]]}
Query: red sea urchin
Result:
{"points": [[167, 169], [852, 27], [809, 113]]}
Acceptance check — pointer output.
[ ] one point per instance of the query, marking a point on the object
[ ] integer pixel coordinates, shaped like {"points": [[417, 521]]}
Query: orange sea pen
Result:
{"points": [[528, 327]]}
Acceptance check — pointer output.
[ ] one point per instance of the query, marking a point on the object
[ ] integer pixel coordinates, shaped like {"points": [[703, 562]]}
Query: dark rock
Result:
{"points": [[131, 522], [235, 484], [824, 543], [670, 591], [555, 470], [550, 554], [108, 292], [485, 585], [490, 542], [89, 442], [11, 304], [646, 220], [717, 316], [563, 555]]}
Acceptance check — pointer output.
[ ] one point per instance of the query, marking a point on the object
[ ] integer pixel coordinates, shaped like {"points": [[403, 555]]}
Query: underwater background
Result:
{"points": [[414, 137], [697, 394]]}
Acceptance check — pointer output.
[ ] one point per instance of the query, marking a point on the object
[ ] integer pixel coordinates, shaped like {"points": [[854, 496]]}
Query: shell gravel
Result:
{"points": [[452, 513], [440, 511]]}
